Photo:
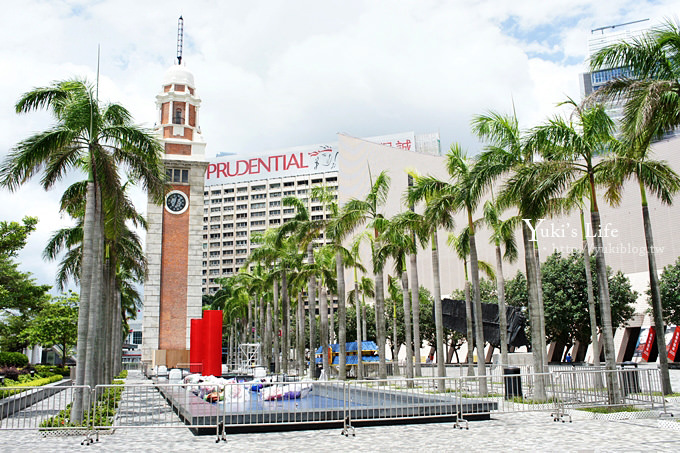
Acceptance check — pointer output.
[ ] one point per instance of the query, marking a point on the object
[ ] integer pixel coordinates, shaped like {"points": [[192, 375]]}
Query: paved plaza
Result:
{"points": [[504, 432]]}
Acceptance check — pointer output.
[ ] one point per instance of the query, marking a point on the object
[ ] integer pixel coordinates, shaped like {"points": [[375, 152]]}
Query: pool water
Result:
{"points": [[311, 401]]}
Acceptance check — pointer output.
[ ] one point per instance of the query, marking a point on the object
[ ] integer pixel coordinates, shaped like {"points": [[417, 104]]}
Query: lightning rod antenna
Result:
{"points": [[180, 39]]}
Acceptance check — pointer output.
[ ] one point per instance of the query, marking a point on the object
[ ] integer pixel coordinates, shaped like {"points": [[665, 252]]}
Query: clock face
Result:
{"points": [[176, 202]]}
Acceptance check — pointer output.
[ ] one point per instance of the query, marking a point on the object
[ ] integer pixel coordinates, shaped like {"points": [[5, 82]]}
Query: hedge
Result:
{"points": [[5, 392], [63, 370], [13, 359]]}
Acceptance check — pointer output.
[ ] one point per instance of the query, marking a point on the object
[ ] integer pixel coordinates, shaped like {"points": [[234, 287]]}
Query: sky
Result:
{"points": [[274, 74]]}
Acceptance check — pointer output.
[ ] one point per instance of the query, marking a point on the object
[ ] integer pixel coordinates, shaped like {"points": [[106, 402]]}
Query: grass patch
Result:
{"points": [[611, 410], [671, 395], [520, 400]]}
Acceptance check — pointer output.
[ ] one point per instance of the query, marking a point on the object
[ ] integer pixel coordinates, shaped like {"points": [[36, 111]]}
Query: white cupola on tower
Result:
{"points": [[178, 107]]}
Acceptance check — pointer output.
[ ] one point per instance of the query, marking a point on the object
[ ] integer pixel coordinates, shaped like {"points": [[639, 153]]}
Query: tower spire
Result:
{"points": [[180, 39]]}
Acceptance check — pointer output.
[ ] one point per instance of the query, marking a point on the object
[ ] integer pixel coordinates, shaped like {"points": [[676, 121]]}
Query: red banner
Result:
{"points": [[673, 345], [648, 345]]}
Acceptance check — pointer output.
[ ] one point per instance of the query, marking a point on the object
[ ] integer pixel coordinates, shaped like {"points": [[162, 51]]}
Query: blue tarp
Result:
{"points": [[352, 347], [351, 359]]}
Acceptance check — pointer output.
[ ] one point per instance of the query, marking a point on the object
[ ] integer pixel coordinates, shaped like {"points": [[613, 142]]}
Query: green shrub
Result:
{"points": [[123, 374], [13, 359], [63, 370], [107, 403], [39, 382], [10, 373]]}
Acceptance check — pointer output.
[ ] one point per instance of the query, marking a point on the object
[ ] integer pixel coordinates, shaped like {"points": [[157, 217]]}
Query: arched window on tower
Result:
{"points": [[177, 119]]}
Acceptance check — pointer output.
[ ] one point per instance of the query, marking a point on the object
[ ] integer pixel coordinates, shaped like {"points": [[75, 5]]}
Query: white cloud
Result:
{"points": [[274, 74]]}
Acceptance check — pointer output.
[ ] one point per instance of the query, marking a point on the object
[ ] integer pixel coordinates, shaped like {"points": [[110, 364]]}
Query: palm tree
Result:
{"points": [[462, 193], [505, 153], [633, 160], [363, 287], [502, 232], [304, 230], [417, 226], [397, 244], [326, 260], [651, 82], [437, 214], [355, 213], [591, 296], [461, 244], [98, 139], [650, 91], [569, 149], [333, 232]]}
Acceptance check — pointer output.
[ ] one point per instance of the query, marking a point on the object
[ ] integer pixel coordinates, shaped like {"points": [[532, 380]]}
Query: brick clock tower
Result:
{"points": [[172, 291]]}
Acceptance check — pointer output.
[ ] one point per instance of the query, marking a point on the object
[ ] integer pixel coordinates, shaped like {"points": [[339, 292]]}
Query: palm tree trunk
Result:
{"points": [[479, 330], [312, 312], [108, 339], [395, 341], [249, 332], [605, 310], [380, 323], [502, 313], [94, 328], [117, 325], [357, 306], [591, 297], [415, 286], [532, 299], [275, 329], [301, 336], [541, 309], [342, 316], [84, 307], [469, 328], [268, 333], [331, 323], [657, 308], [364, 328], [323, 308], [284, 325], [438, 316], [263, 304], [407, 324]]}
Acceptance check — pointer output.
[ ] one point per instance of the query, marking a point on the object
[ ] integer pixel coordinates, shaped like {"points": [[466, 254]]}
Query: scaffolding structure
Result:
{"points": [[249, 356]]}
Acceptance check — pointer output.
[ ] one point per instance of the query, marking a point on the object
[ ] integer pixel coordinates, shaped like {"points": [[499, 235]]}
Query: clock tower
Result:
{"points": [[172, 291]]}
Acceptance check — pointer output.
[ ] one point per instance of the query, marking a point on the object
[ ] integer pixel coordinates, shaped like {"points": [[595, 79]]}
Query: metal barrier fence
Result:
{"points": [[43, 408], [609, 388], [132, 366], [314, 404], [152, 406], [375, 401], [523, 392]]}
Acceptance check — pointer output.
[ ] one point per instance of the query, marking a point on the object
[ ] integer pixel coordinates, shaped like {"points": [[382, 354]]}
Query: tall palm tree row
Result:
{"points": [[368, 212], [505, 155], [100, 141], [569, 149], [650, 91]]}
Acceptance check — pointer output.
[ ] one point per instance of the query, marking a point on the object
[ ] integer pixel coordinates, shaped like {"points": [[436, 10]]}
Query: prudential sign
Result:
{"points": [[289, 162]]}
